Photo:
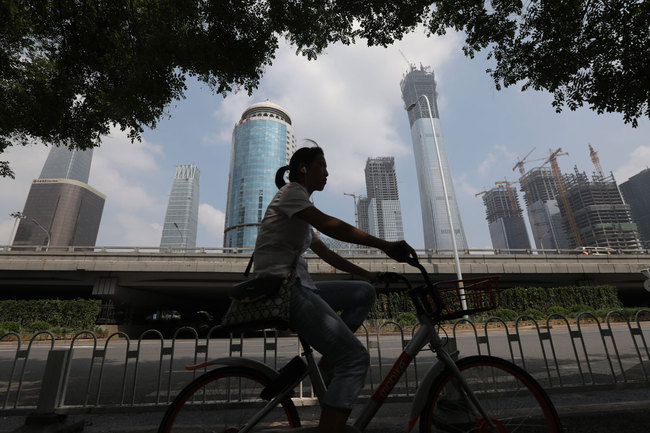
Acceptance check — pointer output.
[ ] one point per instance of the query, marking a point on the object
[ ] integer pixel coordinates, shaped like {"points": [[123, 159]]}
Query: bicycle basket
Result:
{"points": [[479, 294]]}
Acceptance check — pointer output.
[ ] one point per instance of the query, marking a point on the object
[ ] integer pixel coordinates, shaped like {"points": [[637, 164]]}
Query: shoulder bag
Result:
{"points": [[260, 300]]}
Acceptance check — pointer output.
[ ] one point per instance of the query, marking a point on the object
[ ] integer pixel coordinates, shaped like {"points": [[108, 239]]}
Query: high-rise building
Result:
{"points": [[182, 216], [362, 214], [601, 217], [384, 212], [505, 218], [635, 193], [61, 208], [435, 220], [262, 141], [63, 163], [541, 197]]}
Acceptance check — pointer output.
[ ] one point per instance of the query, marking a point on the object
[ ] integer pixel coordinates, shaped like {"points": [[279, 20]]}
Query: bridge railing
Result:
{"points": [[119, 372], [238, 252]]}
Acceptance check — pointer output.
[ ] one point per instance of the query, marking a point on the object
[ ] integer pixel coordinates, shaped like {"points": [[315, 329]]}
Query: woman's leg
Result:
{"points": [[353, 299], [319, 324]]}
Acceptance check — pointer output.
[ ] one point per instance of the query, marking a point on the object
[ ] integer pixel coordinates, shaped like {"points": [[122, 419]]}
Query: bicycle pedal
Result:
{"points": [[289, 374]]}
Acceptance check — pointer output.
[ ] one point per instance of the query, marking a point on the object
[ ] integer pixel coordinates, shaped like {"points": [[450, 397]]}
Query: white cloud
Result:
{"points": [[133, 230], [212, 220], [638, 160], [485, 167]]}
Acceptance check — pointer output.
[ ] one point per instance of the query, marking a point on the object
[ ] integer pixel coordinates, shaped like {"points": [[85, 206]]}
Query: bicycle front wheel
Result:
{"points": [[513, 400], [223, 401]]}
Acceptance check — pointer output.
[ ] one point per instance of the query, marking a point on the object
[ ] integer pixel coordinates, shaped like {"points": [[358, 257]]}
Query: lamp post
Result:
{"points": [[459, 274], [19, 215]]}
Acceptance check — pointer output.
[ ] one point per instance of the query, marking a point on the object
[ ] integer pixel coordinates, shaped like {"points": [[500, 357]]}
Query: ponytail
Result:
{"points": [[279, 176]]}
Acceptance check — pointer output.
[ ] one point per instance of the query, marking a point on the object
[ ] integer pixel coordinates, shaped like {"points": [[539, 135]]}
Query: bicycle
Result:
{"points": [[474, 394]]}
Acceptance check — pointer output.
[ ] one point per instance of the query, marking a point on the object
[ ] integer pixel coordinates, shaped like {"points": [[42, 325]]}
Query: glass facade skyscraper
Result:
{"points": [[384, 212], [635, 193], [263, 141], [61, 208], [182, 216], [435, 221], [63, 163]]}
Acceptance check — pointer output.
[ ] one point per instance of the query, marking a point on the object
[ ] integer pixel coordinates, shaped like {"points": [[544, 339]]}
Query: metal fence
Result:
{"points": [[88, 374]]}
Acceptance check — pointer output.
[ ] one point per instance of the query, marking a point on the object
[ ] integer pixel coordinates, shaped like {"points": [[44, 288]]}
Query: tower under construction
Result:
{"points": [[505, 218], [601, 216], [540, 190]]}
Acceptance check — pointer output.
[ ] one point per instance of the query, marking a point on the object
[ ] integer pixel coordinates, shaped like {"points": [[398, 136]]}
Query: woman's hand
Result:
{"points": [[401, 251]]}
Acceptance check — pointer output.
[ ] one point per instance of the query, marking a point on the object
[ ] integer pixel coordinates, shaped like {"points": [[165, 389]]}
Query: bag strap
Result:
{"points": [[250, 264]]}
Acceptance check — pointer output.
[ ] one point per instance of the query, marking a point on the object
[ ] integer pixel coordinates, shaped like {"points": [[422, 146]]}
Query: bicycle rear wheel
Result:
{"points": [[222, 401], [514, 401]]}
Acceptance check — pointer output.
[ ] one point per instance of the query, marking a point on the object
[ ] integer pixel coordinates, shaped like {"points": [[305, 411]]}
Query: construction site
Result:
{"points": [[565, 211], [505, 217]]}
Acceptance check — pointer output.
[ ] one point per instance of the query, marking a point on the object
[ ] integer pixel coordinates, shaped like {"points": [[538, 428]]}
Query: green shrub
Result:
{"points": [[506, 314], [10, 326], [407, 319], [534, 313], [580, 308], [77, 314], [557, 310], [37, 326]]}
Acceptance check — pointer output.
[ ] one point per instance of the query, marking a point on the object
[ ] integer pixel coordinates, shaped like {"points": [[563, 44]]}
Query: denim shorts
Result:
{"points": [[314, 316]]}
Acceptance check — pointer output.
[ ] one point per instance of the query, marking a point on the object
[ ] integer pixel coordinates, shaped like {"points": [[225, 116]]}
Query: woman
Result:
{"points": [[285, 233]]}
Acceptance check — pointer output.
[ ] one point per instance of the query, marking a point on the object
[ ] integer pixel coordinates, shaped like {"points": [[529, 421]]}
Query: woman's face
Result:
{"points": [[316, 174]]}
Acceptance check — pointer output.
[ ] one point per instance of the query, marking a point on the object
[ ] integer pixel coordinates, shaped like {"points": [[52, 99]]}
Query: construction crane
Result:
{"points": [[525, 186], [573, 227], [596, 161], [411, 65]]}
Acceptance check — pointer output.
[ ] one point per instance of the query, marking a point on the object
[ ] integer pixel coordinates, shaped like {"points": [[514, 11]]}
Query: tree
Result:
{"points": [[70, 69]]}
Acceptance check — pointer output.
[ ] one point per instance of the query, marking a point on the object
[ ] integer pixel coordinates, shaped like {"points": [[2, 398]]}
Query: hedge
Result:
{"points": [[519, 299], [77, 314]]}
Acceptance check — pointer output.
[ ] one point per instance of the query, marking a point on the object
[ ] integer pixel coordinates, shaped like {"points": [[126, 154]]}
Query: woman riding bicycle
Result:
{"points": [[285, 233]]}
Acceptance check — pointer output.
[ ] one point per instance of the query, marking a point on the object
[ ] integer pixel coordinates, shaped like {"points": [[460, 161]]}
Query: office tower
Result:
{"points": [[384, 212], [602, 218], [182, 216], [60, 212], [635, 192], [435, 219], [362, 214], [61, 208], [63, 163], [541, 197], [262, 141], [505, 218]]}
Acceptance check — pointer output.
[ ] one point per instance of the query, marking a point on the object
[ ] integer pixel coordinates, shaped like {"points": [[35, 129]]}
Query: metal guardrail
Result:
{"points": [[248, 251], [119, 373]]}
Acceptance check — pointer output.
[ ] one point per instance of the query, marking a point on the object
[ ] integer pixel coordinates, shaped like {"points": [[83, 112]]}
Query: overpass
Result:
{"points": [[146, 278]]}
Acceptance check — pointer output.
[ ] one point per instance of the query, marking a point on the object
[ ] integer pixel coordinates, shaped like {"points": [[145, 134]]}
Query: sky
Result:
{"points": [[349, 101]]}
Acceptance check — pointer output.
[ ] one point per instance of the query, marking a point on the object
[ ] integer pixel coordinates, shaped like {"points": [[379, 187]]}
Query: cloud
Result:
{"points": [[485, 167], [638, 160], [212, 221], [129, 229]]}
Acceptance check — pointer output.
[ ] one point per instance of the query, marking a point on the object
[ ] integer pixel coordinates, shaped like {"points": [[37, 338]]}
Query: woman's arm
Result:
{"points": [[333, 259], [337, 229]]}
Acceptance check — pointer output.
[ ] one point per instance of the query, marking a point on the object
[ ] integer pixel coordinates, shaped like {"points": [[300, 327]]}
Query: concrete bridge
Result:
{"points": [[146, 278]]}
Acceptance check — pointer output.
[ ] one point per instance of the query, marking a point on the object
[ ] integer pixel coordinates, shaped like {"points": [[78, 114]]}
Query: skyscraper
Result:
{"points": [[384, 212], [541, 196], [435, 221], [635, 193], [262, 141], [61, 208], [505, 218], [182, 216], [63, 163]]}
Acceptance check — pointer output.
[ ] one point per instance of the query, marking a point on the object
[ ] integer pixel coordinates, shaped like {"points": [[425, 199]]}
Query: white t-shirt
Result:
{"points": [[282, 237]]}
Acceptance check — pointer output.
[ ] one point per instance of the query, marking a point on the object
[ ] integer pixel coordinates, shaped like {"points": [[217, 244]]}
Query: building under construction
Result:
{"points": [[540, 188], [600, 216], [505, 220]]}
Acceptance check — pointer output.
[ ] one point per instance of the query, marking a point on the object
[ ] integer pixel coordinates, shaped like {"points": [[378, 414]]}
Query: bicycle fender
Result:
{"points": [[237, 361], [422, 394]]}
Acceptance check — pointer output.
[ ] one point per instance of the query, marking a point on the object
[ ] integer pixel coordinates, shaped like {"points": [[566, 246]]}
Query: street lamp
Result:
{"points": [[19, 215], [459, 274]]}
